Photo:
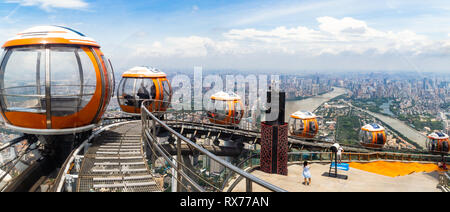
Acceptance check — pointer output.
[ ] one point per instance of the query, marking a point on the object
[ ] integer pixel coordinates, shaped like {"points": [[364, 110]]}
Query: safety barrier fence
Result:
{"points": [[15, 151], [204, 172], [444, 181], [366, 157], [249, 164]]}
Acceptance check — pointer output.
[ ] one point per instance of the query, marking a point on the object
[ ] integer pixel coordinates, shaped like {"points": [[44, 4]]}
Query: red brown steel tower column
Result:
{"points": [[274, 139]]}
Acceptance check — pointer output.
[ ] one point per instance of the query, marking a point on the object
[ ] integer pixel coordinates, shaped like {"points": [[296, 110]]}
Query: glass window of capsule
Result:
{"points": [[372, 135], [225, 109], [303, 124], [438, 142], [53, 84], [141, 84]]}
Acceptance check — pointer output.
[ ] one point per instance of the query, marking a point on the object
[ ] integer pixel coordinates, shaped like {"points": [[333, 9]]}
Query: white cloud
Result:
{"points": [[332, 37], [349, 42], [49, 4], [278, 34], [185, 47]]}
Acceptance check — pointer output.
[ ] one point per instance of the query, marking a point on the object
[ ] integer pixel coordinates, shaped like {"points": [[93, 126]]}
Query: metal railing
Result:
{"points": [[187, 176], [24, 150], [246, 164], [365, 157], [444, 181]]}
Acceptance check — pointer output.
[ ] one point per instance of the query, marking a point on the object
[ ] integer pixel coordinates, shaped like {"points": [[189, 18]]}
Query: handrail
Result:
{"points": [[444, 181], [198, 187], [145, 112], [59, 182], [51, 131], [240, 165], [347, 156], [12, 142]]}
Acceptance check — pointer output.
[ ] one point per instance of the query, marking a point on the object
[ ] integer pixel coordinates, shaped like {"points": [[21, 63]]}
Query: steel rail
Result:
{"points": [[51, 131], [165, 152], [380, 156], [198, 187], [23, 153], [33, 86], [240, 165], [12, 142], [248, 176]]}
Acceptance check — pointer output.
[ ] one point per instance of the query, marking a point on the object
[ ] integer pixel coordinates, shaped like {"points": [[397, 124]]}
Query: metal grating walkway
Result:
{"points": [[115, 162]]}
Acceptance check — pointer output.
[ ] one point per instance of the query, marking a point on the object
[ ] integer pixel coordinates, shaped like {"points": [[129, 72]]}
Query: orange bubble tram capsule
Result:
{"points": [[303, 124], [227, 109], [373, 135], [142, 83], [53, 80], [438, 142]]}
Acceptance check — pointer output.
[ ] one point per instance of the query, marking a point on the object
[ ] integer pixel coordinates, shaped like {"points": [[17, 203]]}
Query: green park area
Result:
{"points": [[420, 123], [348, 129], [372, 105]]}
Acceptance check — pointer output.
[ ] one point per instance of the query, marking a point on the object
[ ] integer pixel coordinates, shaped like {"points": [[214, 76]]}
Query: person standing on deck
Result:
{"points": [[339, 153], [306, 173]]}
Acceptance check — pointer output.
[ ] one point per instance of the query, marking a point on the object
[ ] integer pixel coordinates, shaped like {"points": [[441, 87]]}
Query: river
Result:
{"points": [[313, 103]]}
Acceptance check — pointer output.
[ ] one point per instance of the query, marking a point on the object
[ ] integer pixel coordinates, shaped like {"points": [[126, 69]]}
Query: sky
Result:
{"points": [[255, 35]]}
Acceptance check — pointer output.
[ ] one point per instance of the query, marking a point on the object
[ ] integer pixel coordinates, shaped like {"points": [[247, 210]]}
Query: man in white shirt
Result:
{"points": [[339, 154], [339, 151]]}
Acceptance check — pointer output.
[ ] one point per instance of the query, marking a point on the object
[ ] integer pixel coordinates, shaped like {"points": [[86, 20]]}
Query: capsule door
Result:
{"points": [[125, 95], [238, 112], [432, 145], [166, 94], [291, 125], [299, 127], [220, 112], [445, 145], [379, 138], [311, 128], [366, 137]]}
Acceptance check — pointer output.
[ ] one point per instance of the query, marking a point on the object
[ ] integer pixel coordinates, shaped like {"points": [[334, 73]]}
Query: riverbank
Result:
{"points": [[312, 103], [306, 97]]}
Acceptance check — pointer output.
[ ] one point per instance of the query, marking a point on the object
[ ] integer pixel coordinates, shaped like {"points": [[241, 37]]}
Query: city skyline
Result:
{"points": [[290, 36]]}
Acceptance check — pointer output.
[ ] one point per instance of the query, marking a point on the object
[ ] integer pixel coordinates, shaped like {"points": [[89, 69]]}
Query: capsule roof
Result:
{"points": [[303, 115], [438, 136], [50, 35], [372, 127], [143, 72], [225, 96]]}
